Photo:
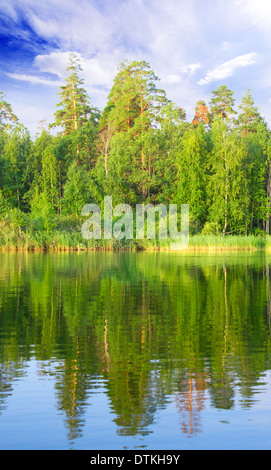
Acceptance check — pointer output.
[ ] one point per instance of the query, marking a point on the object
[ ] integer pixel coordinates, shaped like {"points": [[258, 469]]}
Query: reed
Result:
{"points": [[232, 242], [66, 236]]}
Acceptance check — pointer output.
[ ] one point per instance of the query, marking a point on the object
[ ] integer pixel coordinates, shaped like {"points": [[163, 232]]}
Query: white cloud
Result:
{"points": [[186, 70], [107, 33], [34, 80], [228, 68], [54, 63], [74, 24], [256, 13], [178, 38], [173, 79], [191, 68], [97, 72], [226, 45]]}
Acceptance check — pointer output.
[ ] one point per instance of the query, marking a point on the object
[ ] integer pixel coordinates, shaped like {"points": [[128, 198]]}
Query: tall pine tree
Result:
{"points": [[74, 102], [133, 108], [249, 115], [7, 117], [222, 103]]}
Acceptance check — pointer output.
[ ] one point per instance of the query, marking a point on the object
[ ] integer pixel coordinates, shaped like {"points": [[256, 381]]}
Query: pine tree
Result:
{"points": [[123, 101], [133, 107], [74, 103], [7, 117], [85, 138], [202, 114], [222, 103], [249, 115]]}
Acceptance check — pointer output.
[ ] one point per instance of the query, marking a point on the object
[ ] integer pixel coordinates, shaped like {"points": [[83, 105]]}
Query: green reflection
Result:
{"points": [[145, 325]]}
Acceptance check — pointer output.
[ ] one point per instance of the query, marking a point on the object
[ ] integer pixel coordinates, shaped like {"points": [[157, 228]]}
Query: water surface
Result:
{"points": [[135, 351]]}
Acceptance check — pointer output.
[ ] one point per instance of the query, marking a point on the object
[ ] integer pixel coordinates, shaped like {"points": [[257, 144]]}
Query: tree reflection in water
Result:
{"points": [[146, 326]]}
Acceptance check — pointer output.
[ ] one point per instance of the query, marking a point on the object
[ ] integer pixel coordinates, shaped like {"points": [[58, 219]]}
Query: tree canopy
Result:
{"points": [[140, 148]]}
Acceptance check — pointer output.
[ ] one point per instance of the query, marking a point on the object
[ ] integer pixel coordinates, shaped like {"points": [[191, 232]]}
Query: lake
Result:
{"points": [[135, 351]]}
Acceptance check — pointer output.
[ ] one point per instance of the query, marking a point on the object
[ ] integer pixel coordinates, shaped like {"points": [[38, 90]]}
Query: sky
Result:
{"points": [[193, 46]]}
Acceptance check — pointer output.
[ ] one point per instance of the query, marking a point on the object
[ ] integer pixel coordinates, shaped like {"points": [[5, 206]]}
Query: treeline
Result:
{"points": [[140, 148]]}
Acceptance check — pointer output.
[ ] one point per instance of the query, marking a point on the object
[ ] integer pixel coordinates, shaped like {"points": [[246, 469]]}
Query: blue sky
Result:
{"points": [[193, 46]]}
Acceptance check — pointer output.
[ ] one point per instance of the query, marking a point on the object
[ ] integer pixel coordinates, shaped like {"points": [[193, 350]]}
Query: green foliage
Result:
{"points": [[14, 165], [42, 213], [210, 228], [134, 95], [76, 190], [249, 116], [4, 207], [7, 117], [128, 122], [140, 149], [222, 103], [191, 185], [18, 220], [74, 103], [148, 327]]}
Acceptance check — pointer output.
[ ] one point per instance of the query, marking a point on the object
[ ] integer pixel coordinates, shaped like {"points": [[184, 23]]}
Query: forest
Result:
{"points": [[140, 148]]}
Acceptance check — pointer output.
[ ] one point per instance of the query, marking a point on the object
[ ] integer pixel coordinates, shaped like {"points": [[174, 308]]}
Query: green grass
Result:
{"points": [[205, 243], [236, 242], [65, 235]]}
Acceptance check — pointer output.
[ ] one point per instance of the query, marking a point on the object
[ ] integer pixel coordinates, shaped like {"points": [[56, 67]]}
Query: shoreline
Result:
{"points": [[197, 244]]}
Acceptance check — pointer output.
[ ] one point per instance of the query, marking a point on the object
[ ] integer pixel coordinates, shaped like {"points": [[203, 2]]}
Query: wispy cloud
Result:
{"points": [[191, 68], [184, 72], [178, 38], [95, 70], [256, 13], [227, 69], [173, 79], [34, 80]]}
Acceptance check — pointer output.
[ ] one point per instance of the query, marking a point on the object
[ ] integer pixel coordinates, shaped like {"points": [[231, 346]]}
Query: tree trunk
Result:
{"points": [[106, 159], [226, 192], [267, 226], [225, 214]]}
